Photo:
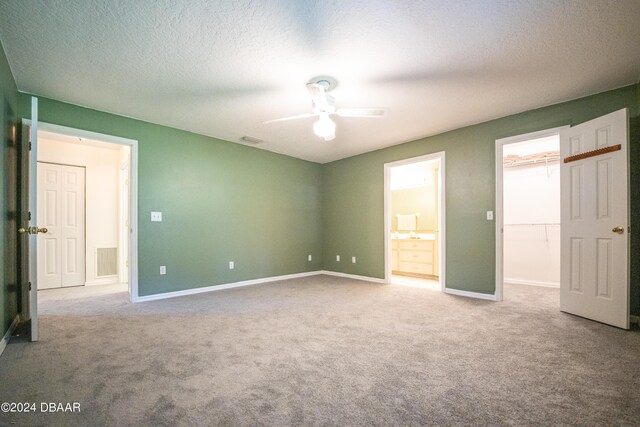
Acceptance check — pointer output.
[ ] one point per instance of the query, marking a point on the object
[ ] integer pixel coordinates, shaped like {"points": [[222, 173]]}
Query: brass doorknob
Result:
{"points": [[32, 230], [618, 230]]}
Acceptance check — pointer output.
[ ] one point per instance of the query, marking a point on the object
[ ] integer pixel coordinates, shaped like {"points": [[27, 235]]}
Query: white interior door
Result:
{"points": [[31, 192], [61, 208], [594, 279]]}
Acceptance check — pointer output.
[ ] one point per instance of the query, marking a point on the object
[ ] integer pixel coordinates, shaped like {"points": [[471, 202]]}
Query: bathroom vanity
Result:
{"points": [[414, 257]]}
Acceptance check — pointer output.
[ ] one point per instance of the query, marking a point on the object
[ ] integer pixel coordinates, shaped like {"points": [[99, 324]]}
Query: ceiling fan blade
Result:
{"points": [[285, 119], [361, 112], [318, 94]]}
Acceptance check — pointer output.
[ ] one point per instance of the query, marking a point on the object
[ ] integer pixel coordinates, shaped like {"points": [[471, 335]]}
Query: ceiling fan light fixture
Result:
{"points": [[330, 137], [323, 105], [325, 127]]}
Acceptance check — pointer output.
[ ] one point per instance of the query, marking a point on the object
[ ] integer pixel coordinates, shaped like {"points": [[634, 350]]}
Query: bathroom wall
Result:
{"points": [[420, 200], [414, 190]]}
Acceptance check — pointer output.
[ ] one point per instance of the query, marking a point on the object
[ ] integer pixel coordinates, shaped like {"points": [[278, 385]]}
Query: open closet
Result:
{"points": [[531, 203]]}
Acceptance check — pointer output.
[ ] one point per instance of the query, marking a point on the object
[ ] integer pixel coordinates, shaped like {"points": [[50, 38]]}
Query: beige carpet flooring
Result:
{"points": [[322, 351]]}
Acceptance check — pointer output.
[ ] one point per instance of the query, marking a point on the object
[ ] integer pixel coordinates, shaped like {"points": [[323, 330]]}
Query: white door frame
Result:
{"points": [[133, 192], [500, 143], [441, 215], [123, 229]]}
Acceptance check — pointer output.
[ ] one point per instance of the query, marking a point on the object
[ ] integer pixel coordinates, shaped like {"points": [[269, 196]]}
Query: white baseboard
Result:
{"points": [[104, 281], [7, 336], [478, 295], [353, 276], [532, 283], [224, 286]]}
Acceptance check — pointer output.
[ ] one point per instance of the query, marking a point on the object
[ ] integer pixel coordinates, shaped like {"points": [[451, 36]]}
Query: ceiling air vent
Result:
{"points": [[251, 140]]}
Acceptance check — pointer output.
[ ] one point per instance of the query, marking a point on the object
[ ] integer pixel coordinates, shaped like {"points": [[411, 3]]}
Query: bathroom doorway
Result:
{"points": [[414, 222]]}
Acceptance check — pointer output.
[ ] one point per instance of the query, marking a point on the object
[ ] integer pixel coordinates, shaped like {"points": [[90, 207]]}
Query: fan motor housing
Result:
{"points": [[329, 83], [330, 108]]}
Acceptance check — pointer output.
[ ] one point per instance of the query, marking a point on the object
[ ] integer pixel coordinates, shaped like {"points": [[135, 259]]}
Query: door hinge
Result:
{"points": [[29, 216], [29, 285], [29, 145]]}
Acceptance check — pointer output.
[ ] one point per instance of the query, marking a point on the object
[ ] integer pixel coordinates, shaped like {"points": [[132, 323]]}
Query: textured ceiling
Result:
{"points": [[221, 68]]}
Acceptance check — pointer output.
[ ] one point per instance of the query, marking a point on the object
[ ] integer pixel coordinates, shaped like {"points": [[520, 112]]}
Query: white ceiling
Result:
{"points": [[221, 68]]}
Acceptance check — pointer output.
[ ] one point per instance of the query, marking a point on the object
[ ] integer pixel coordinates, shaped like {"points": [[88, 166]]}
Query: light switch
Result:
{"points": [[156, 216], [309, 257], [489, 215], [353, 259], [337, 257], [232, 265], [163, 269]]}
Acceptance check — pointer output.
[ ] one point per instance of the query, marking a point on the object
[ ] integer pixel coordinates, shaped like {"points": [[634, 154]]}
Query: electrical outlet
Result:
{"points": [[309, 258], [337, 257], [353, 259], [156, 216], [232, 265], [163, 269], [489, 215]]}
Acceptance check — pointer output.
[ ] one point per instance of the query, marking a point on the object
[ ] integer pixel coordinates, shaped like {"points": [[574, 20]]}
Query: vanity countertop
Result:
{"points": [[416, 236]]}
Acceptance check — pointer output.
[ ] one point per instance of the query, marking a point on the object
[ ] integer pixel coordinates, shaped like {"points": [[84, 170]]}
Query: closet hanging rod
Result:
{"points": [[544, 160]]}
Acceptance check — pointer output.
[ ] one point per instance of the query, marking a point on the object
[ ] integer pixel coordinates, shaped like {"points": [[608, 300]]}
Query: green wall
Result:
{"points": [[8, 202], [220, 201], [353, 200]]}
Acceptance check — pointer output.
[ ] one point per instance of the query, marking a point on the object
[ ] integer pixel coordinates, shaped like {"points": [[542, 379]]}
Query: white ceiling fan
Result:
{"points": [[324, 106]]}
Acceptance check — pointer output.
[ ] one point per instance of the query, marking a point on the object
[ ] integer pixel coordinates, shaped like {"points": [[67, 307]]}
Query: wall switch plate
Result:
{"points": [[163, 269], [337, 257], [156, 216], [232, 265], [353, 259], [489, 215], [309, 258]]}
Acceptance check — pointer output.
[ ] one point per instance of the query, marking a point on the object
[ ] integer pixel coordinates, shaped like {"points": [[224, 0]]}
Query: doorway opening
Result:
{"points": [[79, 202], [528, 211], [414, 222], [86, 195]]}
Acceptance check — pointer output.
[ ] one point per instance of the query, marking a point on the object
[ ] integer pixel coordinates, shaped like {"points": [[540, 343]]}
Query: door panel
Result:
{"points": [[594, 201], [62, 207], [49, 257], [73, 225], [577, 262]]}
